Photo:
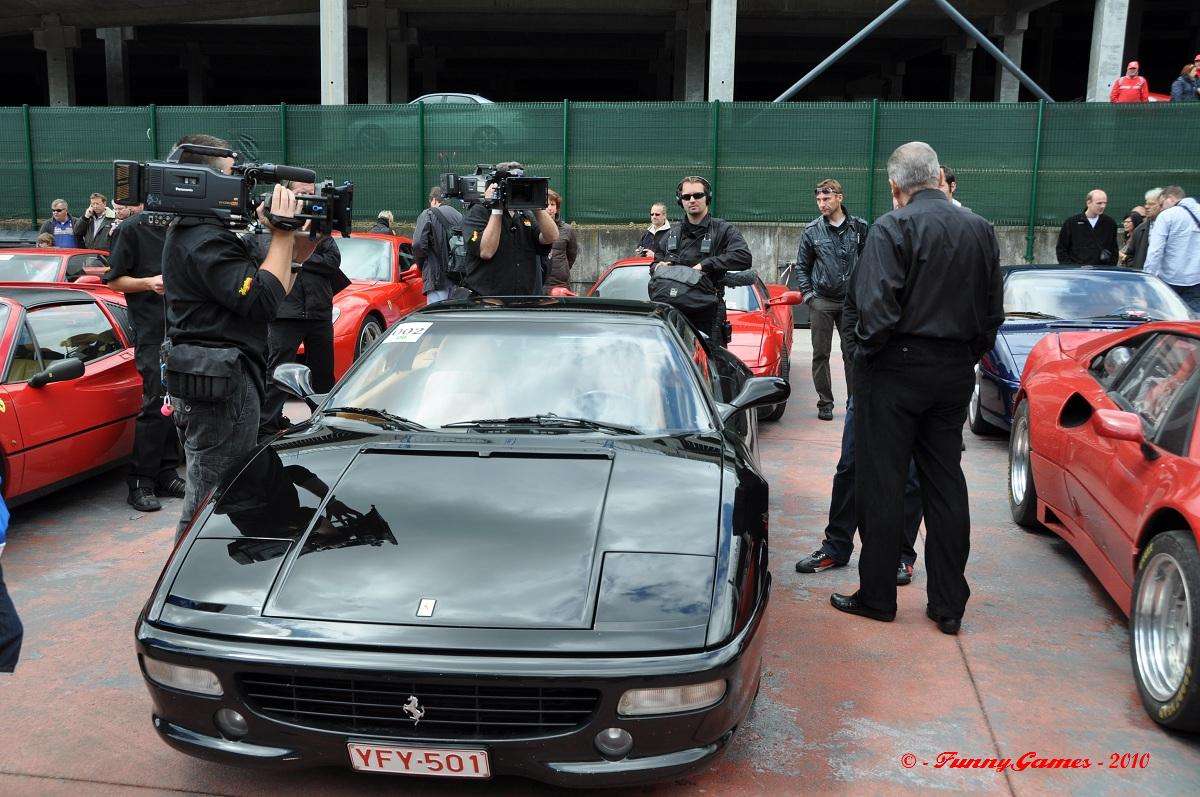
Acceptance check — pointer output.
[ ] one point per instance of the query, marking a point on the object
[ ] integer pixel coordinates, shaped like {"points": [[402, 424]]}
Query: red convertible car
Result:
{"points": [[760, 315], [385, 286], [69, 392], [51, 264], [1105, 452]]}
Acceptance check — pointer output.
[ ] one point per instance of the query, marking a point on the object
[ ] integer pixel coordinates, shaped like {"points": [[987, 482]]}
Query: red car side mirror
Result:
{"points": [[787, 297], [1117, 425]]}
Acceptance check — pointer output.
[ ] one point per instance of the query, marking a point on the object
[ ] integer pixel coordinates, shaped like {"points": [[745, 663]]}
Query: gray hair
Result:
{"points": [[1174, 192], [914, 165], [1153, 194]]}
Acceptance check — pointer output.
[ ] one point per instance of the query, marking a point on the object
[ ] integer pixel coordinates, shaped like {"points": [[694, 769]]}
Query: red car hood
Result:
{"points": [[747, 342]]}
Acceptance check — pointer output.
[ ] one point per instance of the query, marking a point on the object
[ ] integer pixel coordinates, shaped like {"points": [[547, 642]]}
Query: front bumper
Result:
{"points": [[664, 747]]}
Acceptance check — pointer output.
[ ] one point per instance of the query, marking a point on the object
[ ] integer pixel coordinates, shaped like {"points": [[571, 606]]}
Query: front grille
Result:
{"points": [[374, 706]]}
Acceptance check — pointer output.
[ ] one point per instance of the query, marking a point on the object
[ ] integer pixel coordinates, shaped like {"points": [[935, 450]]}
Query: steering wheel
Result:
{"points": [[594, 400]]}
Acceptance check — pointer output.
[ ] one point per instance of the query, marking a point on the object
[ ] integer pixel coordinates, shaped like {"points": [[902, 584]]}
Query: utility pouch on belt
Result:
{"points": [[683, 287], [200, 373]]}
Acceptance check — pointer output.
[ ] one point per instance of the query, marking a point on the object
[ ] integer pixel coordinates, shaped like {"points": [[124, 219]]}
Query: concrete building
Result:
{"points": [[66, 52]]}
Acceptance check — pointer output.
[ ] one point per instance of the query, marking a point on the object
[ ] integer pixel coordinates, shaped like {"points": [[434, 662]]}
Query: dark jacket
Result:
{"points": [[1139, 245], [320, 279], [1185, 89], [1079, 242], [562, 256], [430, 245], [382, 226], [64, 233], [99, 239], [654, 240], [827, 256], [728, 249], [929, 270]]}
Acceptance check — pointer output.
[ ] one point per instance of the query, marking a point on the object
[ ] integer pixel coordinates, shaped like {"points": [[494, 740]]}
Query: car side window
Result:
{"points": [[407, 260], [73, 330], [25, 360], [121, 313], [696, 351], [1107, 367], [75, 265], [1175, 434], [1151, 385]]}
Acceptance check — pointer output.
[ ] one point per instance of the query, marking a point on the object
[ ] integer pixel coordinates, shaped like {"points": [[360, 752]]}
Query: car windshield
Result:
{"points": [[29, 268], [438, 370], [1079, 294], [366, 258], [631, 282]]}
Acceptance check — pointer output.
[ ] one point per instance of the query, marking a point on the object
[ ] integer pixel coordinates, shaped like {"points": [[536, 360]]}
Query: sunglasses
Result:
{"points": [[686, 197], [58, 210]]}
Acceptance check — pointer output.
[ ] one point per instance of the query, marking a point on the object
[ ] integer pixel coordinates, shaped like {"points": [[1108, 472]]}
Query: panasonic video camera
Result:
{"points": [[170, 188], [514, 190]]}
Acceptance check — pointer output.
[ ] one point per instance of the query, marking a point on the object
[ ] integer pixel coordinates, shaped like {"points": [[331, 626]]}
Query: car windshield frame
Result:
{"points": [[1084, 294], [626, 277], [429, 370], [47, 273], [372, 268]]}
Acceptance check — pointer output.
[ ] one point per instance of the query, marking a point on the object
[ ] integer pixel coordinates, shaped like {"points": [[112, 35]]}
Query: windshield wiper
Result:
{"points": [[392, 421], [548, 420], [1128, 315], [1031, 314]]}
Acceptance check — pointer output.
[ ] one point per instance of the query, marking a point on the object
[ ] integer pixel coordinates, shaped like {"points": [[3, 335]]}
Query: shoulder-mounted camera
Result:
{"points": [[514, 190]]}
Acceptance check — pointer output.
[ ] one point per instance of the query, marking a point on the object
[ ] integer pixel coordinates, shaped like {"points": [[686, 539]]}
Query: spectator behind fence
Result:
{"points": [[1134, 253], [1130, 88], [563, 252], [1174, 255], [656, 234], [383, 222], [45, 240], [431, 245], [1089, 238], [61, 225], [1186, 87], [92, 231]]}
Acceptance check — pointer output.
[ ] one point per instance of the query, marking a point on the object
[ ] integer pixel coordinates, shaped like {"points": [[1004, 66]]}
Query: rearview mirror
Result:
{"points": [[760, 391], [296, 380], [787, 297], [58, 371]]}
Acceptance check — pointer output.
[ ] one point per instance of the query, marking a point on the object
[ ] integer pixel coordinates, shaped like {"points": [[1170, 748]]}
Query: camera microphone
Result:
{"points": [[296, 174]]}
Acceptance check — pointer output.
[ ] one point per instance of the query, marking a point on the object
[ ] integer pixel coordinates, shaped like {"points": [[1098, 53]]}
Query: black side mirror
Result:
{"points": [[296, 380], [760, 391], [58, 371]]}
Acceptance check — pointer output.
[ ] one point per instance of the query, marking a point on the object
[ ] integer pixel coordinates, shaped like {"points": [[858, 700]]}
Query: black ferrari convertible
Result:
{"points": [[522, 537]]}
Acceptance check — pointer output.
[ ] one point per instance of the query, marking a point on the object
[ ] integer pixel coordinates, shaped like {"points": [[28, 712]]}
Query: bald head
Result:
{"points": [[1096, 202]]}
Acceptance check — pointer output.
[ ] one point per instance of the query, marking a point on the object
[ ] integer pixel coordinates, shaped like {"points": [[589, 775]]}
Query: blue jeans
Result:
{"points": [[11, 630], [1191, 297], [438, 296], [843, 519]]}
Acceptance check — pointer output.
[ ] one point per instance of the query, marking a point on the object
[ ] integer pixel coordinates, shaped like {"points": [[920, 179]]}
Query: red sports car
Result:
{"points": [[760, 315], [69, 392], [1105, 452], [385, 286], [52, 265]]}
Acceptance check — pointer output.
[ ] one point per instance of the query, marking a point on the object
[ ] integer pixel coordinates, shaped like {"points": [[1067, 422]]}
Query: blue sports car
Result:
{"points": [[1060, 298]]}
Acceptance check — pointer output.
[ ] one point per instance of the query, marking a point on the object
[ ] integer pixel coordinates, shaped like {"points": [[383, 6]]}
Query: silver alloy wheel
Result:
{"points": [[1162, 623], [369, 334], [1018, 467]]}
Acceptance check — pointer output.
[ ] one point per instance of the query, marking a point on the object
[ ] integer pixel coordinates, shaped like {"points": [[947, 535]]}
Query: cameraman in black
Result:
{"points": [[504, 246], [219, 303], [712, 246]]}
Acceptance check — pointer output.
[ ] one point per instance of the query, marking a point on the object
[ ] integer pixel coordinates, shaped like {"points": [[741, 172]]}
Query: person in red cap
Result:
{"points": [[1130, 88]]}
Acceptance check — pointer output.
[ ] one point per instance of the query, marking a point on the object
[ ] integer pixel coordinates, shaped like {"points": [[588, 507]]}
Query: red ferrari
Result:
{"points": [[70, 391], [385, 286], [760, 315], [1105, 452], [52, 265]]}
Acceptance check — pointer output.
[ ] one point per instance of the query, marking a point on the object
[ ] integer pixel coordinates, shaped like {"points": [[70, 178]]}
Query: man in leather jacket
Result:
{"points": [[828, 253]]}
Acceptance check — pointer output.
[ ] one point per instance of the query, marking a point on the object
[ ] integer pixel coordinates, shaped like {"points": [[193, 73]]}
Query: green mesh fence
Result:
{"points": [[1017, 164]]}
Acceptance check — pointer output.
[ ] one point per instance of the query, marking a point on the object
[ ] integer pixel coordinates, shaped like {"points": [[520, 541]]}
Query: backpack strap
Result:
{"points": [[1195, 220]]}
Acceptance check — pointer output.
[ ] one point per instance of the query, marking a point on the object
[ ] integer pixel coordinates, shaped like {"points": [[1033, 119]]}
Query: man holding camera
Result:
{"points": [[709, 245], [504, 246], [219, 303]]}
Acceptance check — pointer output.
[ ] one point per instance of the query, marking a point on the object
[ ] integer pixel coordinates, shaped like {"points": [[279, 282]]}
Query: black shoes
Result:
{"points": [[904, 575], [850, 605], [172, 488], [141, 497], [825, 413], [817, 561], [947, 625]]}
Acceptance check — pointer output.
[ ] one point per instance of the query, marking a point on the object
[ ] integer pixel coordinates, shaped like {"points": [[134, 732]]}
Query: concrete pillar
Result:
{"points": [[116, 62], [399, 42], [58, 41], [1108, 47], [335, 33], [1012, 28], [195, 65], [697, 50], [377, 53], [722, 48], [963, 50]]}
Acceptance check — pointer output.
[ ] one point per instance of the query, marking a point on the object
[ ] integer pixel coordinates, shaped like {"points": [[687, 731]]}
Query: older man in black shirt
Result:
{"points": [[929, 297]]}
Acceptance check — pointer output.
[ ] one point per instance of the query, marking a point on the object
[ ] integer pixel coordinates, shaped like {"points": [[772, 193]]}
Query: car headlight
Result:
{"points": [[670, 699], [337, 313], [185, 679]]}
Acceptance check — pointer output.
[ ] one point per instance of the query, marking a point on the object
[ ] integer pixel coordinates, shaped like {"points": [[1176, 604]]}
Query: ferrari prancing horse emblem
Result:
{"points": [[413, 709]]}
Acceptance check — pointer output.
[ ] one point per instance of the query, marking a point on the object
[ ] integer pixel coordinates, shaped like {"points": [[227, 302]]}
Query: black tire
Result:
{"points": [[1166, 666], [777, 410], [975, 421], [368, 333], [1022, 492]]}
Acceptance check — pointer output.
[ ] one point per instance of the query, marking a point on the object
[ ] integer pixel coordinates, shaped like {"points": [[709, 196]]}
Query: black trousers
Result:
{"points": [[910, 404], [155, 441], [11, 630], [284, 337], [710, 322]]}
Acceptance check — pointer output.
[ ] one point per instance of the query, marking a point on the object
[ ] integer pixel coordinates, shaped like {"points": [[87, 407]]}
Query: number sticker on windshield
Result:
{"points": [[409, 333]]}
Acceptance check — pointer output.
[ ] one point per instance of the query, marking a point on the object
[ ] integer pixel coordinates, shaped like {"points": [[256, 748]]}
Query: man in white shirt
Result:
{"points": [[1174, 255]]}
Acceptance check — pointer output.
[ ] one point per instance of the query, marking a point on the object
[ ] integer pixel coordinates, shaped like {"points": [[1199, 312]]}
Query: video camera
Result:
{"points": [[514, 190], [170, 188]]}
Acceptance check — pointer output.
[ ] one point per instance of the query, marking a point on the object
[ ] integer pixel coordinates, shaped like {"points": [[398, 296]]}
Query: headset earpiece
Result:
{"points": [[708, 196]]}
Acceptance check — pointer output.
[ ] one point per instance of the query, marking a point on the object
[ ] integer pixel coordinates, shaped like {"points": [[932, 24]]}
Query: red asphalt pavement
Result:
{"points": [[1042, 664]]}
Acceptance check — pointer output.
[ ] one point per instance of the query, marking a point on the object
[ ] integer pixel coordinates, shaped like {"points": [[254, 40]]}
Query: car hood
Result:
{"points": [[747, 341], [462, 531], [1020, 337], [357, 286]]}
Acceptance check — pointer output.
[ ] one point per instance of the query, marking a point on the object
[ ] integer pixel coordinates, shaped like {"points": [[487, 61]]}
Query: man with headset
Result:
{"points": [[712, 246]]}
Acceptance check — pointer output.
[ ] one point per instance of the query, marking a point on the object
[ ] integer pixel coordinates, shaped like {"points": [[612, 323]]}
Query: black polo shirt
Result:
{"points": [[513, 270], [137, 249], [216, 293]]}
